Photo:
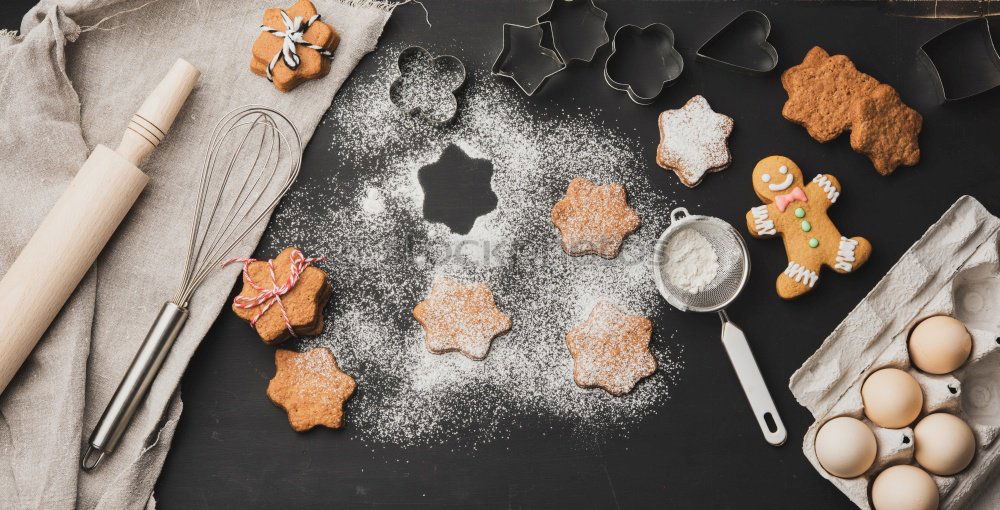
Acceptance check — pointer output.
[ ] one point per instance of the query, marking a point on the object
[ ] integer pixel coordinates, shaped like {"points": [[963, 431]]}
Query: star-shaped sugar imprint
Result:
{"points": [[593, 219], [311, 388], [693, 141], [611, 350], [458, 316]]}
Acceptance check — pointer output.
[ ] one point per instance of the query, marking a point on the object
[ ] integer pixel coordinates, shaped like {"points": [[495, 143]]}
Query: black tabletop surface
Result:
{"points": [[701, 449]]}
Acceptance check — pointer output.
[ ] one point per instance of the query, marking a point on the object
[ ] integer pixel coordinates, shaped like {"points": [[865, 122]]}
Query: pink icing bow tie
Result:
{"points": [[784, 199]]}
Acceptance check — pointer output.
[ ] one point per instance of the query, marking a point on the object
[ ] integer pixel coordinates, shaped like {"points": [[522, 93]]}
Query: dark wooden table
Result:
{"points": [[233, 448]]}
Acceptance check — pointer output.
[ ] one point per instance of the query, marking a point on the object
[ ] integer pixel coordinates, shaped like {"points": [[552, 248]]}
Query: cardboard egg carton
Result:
{"points": [[954, 269]]}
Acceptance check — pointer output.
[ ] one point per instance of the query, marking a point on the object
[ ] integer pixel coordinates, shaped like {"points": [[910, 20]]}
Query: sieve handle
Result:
{"points": [[676, 214], [753, 383]]}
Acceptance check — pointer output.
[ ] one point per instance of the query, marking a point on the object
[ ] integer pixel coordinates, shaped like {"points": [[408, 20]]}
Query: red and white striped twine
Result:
{"points": [[269, 297]]}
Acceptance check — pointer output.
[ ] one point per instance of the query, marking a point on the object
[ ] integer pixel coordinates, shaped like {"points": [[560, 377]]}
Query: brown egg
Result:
{"points": [[892, 398], [904, 487], [845, 447], [939, 344], [944, 444]]}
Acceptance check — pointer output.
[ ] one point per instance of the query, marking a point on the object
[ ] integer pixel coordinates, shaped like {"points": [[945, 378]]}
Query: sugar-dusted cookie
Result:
{"points": [[611, 350], [693, 141], [886, 130], [283, 297], [293, 46], [310, 387], [594, 220], [797, 212], [462, 317], [821, 92]]}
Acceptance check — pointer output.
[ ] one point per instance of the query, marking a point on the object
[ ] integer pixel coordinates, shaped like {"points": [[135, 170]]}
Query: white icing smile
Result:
{"points": [[789, 178]]}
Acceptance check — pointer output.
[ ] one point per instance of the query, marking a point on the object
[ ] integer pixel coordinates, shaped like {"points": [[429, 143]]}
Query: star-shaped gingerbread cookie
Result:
{"points": [[268, 46], [693, 141], [611, 350], [821, 91], [462, 317], [886, 130], [301, 304], [311, 388], [594, 219]]}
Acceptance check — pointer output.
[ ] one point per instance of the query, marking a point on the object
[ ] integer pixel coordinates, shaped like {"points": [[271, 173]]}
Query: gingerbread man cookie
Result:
{"points": [[283, 297], [293, 46], [610, 350], [460, 317], [594, 220], [797, 212], [310, 387]]}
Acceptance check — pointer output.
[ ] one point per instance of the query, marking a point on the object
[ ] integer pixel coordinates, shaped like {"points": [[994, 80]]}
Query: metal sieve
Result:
{"points": [[734, 267]]}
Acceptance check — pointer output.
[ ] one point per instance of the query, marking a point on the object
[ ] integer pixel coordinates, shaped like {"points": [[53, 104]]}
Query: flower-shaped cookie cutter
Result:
{"points": [[742, 45], [949, 57], [427, 84], [524, 60], [643, 61], [578, 29]]}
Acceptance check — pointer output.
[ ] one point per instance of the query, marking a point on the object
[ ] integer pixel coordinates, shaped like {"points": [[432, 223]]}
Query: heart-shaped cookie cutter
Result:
{"points": [[735, 41], [630, 48]]}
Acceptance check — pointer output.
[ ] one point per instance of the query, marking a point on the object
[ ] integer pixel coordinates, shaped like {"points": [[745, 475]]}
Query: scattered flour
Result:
{"points": [[691, 262], [383, 257]]}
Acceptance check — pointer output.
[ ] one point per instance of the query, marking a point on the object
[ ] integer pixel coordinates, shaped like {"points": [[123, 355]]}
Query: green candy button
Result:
{"points": [[813, 242], [799, 212], [806, 227]]}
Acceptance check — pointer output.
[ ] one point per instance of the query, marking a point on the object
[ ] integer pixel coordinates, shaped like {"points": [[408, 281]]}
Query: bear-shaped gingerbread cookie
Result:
{"points": [[797, 212]]}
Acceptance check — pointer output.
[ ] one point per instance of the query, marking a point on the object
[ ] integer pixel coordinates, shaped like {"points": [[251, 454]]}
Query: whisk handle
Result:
{"points": [[133, 387], [752, 382], [151, 122]]}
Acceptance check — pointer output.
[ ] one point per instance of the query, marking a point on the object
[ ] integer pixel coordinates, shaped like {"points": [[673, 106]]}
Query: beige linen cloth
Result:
{"points": [[62, 92]]}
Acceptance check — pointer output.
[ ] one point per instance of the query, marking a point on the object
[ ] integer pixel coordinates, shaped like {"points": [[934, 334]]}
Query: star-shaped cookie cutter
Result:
{"points": [[421, 74], [578, 29], [515, 58]]}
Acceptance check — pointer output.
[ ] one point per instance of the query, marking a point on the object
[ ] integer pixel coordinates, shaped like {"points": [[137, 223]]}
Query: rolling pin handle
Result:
{"points": [[150, 123]]}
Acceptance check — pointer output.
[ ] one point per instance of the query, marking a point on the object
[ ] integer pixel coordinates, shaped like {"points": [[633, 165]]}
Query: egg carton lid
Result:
{"points": [[886, 311]]}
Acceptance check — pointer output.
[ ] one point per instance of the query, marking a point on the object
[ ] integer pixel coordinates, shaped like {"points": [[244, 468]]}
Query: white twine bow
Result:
{"points": [[295, 30]]}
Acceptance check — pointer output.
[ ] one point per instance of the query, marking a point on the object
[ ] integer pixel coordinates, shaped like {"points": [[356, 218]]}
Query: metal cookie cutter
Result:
{"points": [[963, 60], [577, 29], [742, 45], [643, 61], [524, 59], [427, 84]]}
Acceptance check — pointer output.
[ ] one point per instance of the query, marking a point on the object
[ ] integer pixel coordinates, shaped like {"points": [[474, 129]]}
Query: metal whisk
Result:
{"points": [[252, 160]]}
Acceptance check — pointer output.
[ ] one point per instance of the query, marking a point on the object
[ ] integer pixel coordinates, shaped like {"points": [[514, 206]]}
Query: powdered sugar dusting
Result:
{"points": [[383, 257], [693, 140], [691, 263]]}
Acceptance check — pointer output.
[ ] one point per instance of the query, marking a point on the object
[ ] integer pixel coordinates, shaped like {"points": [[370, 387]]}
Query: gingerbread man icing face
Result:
{"points": [[775, 178], [797, 212]]}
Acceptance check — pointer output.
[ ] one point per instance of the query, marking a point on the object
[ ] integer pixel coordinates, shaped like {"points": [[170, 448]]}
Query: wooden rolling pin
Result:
{"points": [[75, 231]]}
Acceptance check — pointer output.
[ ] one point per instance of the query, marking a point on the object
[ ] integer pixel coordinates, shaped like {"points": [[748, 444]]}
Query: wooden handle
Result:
{"points": [[75, 231], [61, 251], [153, 119]]}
